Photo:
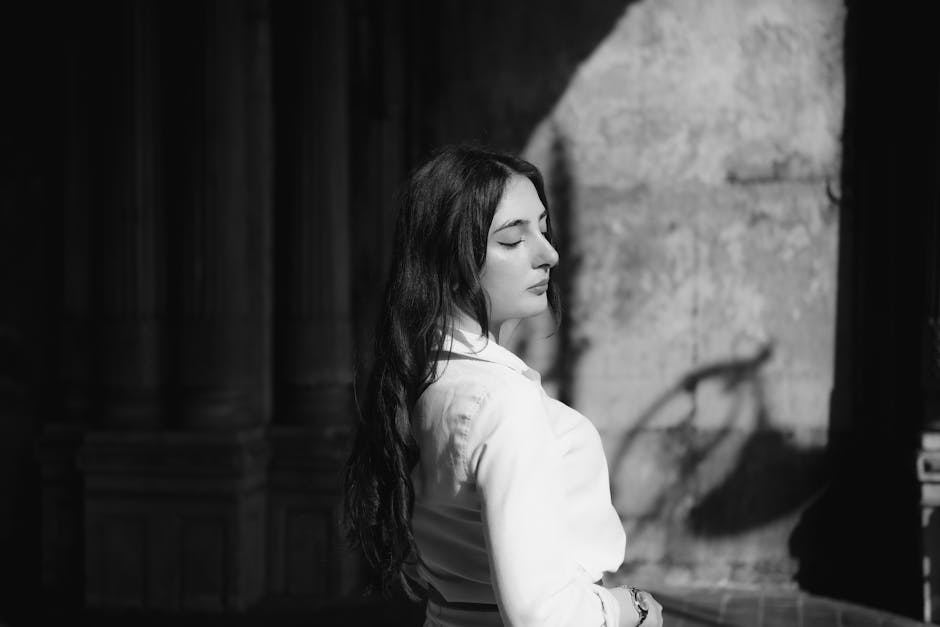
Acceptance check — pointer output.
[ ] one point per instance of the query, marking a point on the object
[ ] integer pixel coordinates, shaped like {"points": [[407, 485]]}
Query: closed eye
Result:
{"points": [[517, 242]]}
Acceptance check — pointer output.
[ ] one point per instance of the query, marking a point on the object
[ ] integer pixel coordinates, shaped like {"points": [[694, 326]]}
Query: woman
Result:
{"points": [[465, 477]]}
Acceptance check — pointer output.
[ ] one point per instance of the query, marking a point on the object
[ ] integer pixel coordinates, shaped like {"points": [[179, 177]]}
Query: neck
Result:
{"points": [[499, 331]]}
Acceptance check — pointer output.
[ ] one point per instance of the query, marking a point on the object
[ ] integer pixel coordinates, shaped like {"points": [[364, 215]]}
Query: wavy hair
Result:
{"points": [[441, 232]]}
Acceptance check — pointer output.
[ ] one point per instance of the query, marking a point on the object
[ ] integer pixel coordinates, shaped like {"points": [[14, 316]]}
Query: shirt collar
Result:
{"points": [[475, 346]]}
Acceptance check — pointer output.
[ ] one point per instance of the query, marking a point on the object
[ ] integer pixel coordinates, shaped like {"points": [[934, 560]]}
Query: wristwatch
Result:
{"points": [[638, 604]]}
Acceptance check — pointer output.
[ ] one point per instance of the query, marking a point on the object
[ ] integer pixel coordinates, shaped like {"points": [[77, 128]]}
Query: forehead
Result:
{"points": [[520, 201]]}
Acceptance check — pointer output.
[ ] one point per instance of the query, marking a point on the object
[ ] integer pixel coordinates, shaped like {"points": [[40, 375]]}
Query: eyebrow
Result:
{"points": [[517, 222]]}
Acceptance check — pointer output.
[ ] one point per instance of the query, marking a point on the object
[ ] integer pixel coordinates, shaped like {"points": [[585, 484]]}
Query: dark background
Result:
{"points": [[68, 83]]}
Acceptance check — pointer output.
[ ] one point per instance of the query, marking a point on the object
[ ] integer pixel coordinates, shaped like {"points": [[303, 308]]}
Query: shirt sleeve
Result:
{"points": [[516, 462]]}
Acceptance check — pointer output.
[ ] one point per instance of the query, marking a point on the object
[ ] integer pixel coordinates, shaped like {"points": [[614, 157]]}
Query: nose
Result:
{"points": [[547, 255]]}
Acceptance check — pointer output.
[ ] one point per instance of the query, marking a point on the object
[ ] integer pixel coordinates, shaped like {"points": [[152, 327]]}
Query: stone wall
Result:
{"points": [[693, 157], [697, 143]]}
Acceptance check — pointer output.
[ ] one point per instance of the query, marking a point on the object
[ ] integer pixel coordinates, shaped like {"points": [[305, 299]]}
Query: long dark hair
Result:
{"points": [[441, 234]]}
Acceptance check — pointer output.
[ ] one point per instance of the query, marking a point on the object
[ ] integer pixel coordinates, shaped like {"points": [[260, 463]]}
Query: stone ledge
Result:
{"points": [[174, 521]]}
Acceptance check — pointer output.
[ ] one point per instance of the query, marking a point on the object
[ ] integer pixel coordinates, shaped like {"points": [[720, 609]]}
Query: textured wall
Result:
{"points": [[689, 160]]}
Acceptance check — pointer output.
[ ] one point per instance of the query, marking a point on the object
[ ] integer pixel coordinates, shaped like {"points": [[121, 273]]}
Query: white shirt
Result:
{"points": [[512, 498]]}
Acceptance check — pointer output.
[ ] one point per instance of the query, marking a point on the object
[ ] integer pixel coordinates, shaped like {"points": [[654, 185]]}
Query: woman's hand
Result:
{"points": [[655, 616], [629, 617]]}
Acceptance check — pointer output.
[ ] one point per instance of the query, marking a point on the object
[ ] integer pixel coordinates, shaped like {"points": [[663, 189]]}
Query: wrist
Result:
{"points": [[639, 605], [629, 614]]}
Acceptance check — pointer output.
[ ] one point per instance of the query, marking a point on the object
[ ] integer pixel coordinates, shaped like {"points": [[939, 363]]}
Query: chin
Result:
{"points": [[540, 308]]}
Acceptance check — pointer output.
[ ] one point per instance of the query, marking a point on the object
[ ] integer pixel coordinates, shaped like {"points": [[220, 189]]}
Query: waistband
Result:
{"points": [[434, 596]]}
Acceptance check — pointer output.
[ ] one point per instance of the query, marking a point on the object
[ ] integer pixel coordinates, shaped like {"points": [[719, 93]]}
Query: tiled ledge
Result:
{"points": [[767, 608], [692, 607]]}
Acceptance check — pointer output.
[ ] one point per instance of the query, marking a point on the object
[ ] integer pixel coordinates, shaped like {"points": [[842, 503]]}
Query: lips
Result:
{"points": [[542, 283]]}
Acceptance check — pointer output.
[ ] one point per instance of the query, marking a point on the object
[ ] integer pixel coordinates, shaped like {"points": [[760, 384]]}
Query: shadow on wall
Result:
{"points": [[561, 194], [493, 72], [771, 477]]}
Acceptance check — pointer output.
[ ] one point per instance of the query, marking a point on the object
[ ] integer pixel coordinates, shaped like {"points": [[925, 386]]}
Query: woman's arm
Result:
{"points": [[517, 465]]}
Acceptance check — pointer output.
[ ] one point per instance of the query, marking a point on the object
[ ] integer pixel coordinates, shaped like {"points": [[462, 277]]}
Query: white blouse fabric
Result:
{"points": [[512, 498]]}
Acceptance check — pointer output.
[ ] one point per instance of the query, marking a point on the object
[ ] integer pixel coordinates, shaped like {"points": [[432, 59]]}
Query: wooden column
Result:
{"points": [[218, 264], [113, 322], [314, 348], [313, 357], [387, 57], [129, 230], [175, 509], [56, 449]]}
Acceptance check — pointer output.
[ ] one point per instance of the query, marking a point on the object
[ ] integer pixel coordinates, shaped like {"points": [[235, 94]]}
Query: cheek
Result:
{"points": [[498, 274]]}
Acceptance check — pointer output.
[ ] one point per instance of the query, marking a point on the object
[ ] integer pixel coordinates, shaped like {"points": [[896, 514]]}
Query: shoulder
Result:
{"points": [[470, 403], [508, 404], [483, 382], [480, 395], [460, 390], [510, 432]]}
